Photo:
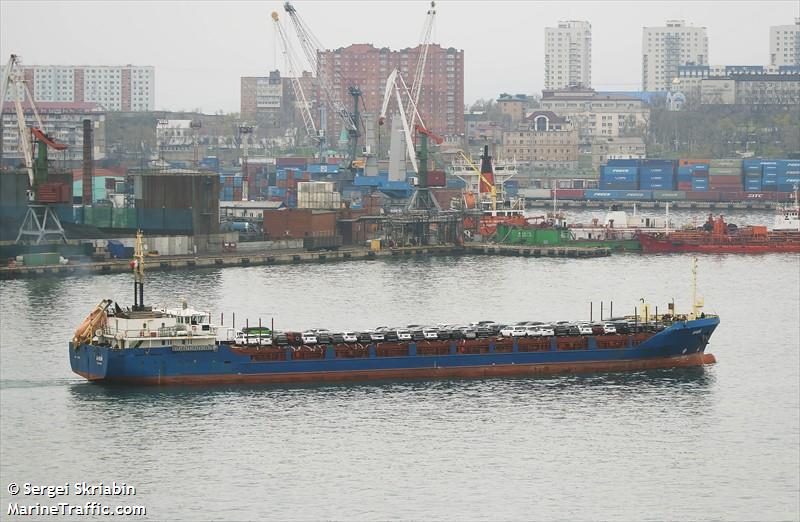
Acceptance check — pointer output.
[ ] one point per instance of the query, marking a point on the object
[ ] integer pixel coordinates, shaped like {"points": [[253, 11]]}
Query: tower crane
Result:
{"points": [[311, 47], [419, 73], [41, 221]]}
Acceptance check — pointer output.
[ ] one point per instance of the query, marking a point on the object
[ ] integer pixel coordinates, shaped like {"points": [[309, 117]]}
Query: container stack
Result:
{"points": [[752, 171], [317, 195], [230, 188], [725, 175], [657, 175], [788, 179], [688, 170], [613, 177]]}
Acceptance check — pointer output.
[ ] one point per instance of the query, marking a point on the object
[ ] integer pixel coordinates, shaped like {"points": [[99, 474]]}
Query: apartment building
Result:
{"points": [[364, 66], [63, 122], [784, 44], [568, 55], [125, 88], [665, 49]]}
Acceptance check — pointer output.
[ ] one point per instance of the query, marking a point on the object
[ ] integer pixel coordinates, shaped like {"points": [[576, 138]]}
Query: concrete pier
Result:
{"points": [[289, 257]]}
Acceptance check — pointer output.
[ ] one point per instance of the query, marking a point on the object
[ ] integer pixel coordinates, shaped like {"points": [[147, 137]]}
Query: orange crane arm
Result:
{"points": [[44, 138], [432, 135]]}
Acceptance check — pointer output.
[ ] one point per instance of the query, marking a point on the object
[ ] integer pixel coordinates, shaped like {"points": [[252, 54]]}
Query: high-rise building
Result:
{"points": [[568, 55], [63, 121], [270, 101], [664, 49], [784, 44], [441, 102], [126, 88]]}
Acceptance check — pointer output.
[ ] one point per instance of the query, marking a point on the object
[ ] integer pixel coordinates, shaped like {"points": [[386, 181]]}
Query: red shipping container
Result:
{"points": [[291, 162], [703, 196], [699, 173], [568, 193], [726, 180], [685, 185], [733, 196], [436, 178]]}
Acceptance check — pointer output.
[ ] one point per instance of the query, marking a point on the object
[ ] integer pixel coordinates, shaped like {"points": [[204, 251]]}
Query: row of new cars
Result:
{"points": [[480, 329]]}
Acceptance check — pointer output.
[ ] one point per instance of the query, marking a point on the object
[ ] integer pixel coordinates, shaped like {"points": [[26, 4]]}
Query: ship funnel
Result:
{"points": [[487, 173]]}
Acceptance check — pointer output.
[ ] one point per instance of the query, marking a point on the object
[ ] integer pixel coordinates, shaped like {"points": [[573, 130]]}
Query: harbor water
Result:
{"points": [[717, 443]]}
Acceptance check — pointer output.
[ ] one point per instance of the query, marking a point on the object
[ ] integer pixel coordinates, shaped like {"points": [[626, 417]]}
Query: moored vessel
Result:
{"points": [[160, 345], [718, 237]]}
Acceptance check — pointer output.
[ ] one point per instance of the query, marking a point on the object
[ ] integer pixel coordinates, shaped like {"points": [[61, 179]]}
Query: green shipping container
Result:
{"points": [[41, 259], [124, 218], [725, 171], [669, 195], [726, 163]]}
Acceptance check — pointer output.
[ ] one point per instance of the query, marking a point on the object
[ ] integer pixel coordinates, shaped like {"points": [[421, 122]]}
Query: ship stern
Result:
{"points": [[89, 361]]}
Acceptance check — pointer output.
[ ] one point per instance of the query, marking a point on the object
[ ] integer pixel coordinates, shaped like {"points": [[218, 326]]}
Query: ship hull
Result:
{"points": [[681, 345], [652, 244]]}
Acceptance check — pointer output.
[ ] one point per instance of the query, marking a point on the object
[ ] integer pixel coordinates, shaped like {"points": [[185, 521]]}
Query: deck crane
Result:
{"points": [[316, 135], [311, 47], [41, 222]]}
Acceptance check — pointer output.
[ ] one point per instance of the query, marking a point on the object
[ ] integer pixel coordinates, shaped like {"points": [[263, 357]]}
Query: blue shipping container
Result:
{"points": [[624, 162], [632, 195], [700, 167], [623, 171]]}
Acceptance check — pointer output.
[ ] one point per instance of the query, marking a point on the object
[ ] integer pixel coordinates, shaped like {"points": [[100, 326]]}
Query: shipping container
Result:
{"points": [[436, 178], [573, 194], [690, 162], [630, 172], [726, 162], [618, 195], [41, 259], [623, 162], [295, 162], [702, 196], [684, 185], [669, 195], [724, 171]]}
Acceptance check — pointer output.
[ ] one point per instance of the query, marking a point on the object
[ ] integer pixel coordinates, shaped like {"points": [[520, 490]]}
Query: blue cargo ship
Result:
{"points": [[145, 345]]}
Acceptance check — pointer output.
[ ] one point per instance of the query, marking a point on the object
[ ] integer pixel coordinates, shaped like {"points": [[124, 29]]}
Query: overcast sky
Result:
{"points": [[200, 49]]}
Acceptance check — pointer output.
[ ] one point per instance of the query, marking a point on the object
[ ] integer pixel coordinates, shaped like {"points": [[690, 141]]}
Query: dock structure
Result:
{"points": [[289, 257], [537, 251], [673, 205]]}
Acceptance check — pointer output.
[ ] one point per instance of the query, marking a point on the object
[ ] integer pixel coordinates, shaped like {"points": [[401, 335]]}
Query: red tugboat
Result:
{"points": [[717, 237]]}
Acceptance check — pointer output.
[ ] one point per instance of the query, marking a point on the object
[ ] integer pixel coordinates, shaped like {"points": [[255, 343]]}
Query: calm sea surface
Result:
{"points": [[720, 443]]}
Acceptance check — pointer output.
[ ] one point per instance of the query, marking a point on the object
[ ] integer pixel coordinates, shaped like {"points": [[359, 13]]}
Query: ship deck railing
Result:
{"points": [[165, 332]]}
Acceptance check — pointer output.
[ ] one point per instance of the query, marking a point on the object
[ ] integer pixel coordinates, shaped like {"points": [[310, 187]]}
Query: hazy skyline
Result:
{"points": [[201, 49]]}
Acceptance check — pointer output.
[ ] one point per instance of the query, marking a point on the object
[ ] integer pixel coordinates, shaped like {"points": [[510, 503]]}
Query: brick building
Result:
{"points": [[367, 67]]}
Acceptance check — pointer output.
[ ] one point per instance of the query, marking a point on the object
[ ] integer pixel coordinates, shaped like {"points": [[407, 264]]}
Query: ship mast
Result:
{"points": [[697, 304], [137, 264]]}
